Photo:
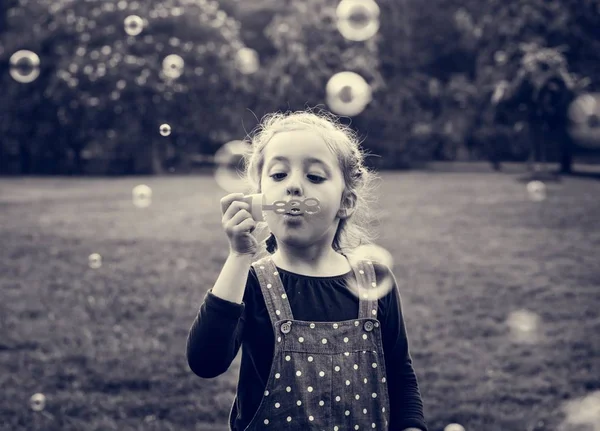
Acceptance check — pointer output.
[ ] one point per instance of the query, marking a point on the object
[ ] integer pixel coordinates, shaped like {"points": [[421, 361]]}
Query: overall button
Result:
{"points": [[286, 327], [368, 326]]}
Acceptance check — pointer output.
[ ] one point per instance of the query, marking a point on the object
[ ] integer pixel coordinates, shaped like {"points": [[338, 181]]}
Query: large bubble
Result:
{"points": [[24, 66], [376, 254], [348, 93], [229, 160], [357, 20]]}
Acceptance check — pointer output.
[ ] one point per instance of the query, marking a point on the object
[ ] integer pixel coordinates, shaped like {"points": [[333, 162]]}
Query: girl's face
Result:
{"points": [[299, 165]]}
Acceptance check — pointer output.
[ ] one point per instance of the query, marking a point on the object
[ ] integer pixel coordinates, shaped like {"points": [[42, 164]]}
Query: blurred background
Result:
{"points": [[123, 123]]}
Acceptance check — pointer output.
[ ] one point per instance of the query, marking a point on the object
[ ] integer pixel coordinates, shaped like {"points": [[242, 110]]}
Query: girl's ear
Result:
{"points": [[348, 206]]}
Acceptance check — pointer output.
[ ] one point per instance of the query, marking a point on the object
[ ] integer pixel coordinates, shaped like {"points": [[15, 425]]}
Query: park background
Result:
{"points": [[496, 257]]}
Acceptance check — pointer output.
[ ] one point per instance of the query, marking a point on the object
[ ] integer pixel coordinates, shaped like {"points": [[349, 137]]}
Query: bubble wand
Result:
{"points": [[258, 204]]}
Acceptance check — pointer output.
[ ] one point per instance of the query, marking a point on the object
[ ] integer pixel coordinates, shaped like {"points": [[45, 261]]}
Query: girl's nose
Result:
{"points": [[294, 190], [294, 186]]}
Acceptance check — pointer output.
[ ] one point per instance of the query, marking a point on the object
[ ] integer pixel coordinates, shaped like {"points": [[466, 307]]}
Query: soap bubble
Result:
{"points": [[582, 413], [142, 196], [523, 325], [133, 25], [37, 402], [584, 113], [173, 66], [230, 164], [348, 93], [583, 107], [247, 61], [375, 254], [165, 129], [24, 66], [536, 191], [95, 261], [357, 20], [454, 427]]}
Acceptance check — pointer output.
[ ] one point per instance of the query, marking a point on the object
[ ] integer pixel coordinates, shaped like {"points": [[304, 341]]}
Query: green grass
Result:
{"points": [[107, 346]]}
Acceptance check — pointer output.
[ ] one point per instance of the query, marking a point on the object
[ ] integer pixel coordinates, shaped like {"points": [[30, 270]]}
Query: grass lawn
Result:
{"points": [[106, 346]]}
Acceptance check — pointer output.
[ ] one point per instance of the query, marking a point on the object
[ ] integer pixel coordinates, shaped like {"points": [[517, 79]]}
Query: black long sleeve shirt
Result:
{"points": [[221, 327]]}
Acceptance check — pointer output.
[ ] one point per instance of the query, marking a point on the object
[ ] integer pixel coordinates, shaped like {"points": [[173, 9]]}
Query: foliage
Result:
{"points": [[434, 71]]}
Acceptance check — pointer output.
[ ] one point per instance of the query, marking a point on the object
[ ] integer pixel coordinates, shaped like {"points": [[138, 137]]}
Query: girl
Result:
{"points": [[314, 355]]}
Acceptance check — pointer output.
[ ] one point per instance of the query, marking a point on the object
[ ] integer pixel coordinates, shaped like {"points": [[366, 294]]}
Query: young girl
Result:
{"points": [[314, 355]]}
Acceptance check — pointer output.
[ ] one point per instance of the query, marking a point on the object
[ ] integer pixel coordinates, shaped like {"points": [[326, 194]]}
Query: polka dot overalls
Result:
{"points": [[325, 375]]}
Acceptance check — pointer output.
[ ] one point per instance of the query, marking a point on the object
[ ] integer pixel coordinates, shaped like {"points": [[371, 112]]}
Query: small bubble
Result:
{"points": [[24, 66], [165, 129], [134, 25], [357, 20], [523, 325], [536, 191], [38, 402], [247, 61], [142, 196], [95, 260], [172, 66]]}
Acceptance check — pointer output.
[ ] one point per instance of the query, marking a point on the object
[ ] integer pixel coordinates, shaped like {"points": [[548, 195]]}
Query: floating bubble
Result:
{"points": [[348, 93], [536, 191], [142, 196], [499, 91], [583, 107], [247, 61], [584, 113], [37, 402], [165, 129], [500, 57], [373, 253], [523, 325], [230, 164], [24, 66], [582, 413], [173, 66], [95, 261], [357, 20], [134, 25], [454, 427]]}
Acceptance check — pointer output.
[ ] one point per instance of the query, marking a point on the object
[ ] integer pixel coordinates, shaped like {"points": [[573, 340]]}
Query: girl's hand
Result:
{"points": [[239, 225]]}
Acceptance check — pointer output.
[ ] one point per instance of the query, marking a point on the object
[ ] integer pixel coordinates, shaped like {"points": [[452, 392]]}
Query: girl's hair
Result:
{"points": [[343, 142]]}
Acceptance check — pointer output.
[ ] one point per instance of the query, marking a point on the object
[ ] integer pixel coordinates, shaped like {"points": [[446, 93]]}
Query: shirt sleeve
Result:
{"points": [[406, 405], [216, 335]]}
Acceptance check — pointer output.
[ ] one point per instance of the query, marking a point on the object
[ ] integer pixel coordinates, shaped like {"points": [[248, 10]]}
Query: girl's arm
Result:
{"points": [[406, 405], [217, 332]]}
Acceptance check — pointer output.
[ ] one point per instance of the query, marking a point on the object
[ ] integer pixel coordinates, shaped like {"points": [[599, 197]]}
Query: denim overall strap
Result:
{"points": [[272, 289], [365, 275]]}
